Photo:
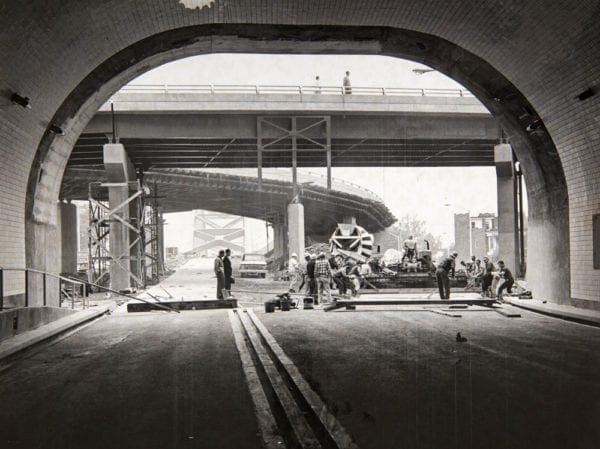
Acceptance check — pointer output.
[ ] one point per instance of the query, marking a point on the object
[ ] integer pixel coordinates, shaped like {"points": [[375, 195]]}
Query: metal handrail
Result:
{"points": [[45, 275], [297, 89], [74, 282]]}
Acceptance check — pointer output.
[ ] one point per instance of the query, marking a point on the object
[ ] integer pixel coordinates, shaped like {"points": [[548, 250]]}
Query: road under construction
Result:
{"points": [[386, 370]]}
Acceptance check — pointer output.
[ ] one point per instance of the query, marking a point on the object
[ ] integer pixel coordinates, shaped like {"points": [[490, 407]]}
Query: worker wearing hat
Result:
{"points": [[445, 269], [294, 273]]}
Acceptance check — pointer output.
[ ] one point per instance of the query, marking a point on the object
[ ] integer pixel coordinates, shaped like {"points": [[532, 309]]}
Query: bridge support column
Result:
{"points": [[279, 241], [295, 222], [119, 240], [508, 236], [119, 172], [69, 237]]}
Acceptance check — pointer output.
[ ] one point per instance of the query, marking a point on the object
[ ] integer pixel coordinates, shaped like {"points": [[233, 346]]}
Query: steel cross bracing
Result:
{"points": [[101, 215], [295, 129]]}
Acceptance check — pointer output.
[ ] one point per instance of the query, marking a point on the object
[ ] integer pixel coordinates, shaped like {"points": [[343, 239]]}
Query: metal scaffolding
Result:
{"points": [[101, 216], [154, 267]]}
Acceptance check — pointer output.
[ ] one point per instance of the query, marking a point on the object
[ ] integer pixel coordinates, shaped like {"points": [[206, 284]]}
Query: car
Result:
{"points": [[253, 265]]}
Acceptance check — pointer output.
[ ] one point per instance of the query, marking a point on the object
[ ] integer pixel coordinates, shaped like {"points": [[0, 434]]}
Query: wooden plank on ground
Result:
{"points": [[445, 313]]}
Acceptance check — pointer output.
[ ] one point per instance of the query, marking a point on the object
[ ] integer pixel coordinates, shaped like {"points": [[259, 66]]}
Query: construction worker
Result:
{"points": [[294, 272], [323, 277], [410, 248], [487, 277], [310, 277], [505, 282], [445, 269], [220, 274], [471, 265], [303, 266]]}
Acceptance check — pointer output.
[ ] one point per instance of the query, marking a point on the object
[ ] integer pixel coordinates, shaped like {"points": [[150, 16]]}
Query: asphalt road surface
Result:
{"points": [[393, 378], [150, 380], [399, 379]]}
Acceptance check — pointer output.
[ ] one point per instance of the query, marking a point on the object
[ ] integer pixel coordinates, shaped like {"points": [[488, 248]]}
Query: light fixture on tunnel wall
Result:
{"points": [[55, 129], [21, 101], [533, 126]]}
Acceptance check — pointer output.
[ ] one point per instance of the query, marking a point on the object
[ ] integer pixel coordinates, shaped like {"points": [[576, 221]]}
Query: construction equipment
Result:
{"points": [[351, 241]]}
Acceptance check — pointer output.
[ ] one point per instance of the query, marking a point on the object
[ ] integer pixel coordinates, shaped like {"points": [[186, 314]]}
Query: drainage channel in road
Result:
{"points": [[288, 410]]}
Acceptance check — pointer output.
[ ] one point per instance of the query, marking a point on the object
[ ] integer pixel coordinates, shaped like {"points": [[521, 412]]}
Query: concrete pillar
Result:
{"points": [[279, 241], [508, 235], [119, 240], [295, 214], [44, 254], [69, 234], [119, 171]]}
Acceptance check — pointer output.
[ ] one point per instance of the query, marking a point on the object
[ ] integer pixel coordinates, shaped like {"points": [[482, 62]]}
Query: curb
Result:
{"points": [[555, 312], [23, 341]]}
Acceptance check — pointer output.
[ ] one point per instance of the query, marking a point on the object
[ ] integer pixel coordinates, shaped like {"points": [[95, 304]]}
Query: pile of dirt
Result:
{"points": [[316, 248]]}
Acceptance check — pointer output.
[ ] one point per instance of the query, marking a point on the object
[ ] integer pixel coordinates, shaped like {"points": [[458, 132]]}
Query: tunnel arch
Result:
{"points": [[546, 183]]}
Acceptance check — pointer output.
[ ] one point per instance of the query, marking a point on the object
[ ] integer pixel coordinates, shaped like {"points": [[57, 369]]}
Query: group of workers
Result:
{"points": [[318, 274], [494, 282]]}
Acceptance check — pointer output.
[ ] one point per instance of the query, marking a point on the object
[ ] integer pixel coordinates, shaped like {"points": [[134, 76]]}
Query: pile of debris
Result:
{"points": [[317, 247]]}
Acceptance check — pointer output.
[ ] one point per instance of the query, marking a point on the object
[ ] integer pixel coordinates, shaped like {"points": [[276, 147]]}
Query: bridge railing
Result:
{"points": [[305, 178], [257, 89]]}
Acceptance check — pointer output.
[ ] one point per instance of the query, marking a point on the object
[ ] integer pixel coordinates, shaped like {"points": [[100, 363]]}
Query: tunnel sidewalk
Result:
{"points": [[585, 316], [23, 341]]}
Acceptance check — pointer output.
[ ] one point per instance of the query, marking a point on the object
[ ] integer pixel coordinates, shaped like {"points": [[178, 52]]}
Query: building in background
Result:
{"points": [[476, 236]]}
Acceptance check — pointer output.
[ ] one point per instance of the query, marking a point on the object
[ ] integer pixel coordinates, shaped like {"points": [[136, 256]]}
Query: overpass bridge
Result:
{"points": [[236, 193], [252, 126]]}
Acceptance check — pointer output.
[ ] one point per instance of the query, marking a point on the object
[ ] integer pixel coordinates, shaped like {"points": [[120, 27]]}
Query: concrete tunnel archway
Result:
{"points": [[546, 184]]}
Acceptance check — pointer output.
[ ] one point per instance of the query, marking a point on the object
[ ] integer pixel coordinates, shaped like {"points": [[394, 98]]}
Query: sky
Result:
{"points": [[429, 194]]}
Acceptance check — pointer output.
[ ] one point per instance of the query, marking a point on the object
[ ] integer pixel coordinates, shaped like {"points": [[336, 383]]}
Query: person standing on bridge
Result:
{"points": [[444, 270], [347, 85], [227, 270], [317, 84], [220, 274]]}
